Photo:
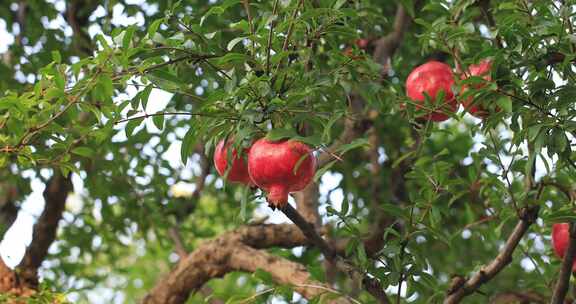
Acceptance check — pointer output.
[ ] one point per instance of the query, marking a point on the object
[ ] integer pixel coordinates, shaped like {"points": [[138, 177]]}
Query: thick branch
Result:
{"points": [[518, 297], [564, 278], [387, 45], [8, 210], [283, 271], [489, 271], [212, 259], [45, 229], [10, 282]]}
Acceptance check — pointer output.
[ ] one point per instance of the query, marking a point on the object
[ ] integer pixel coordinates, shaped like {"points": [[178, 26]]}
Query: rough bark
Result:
{"points": [[283, 271], [8, 210], [527, 297], [237, 250], [46, 226], [11, 283]]}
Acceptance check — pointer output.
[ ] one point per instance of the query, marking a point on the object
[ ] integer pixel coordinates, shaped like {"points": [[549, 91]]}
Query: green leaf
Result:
{"points": [[278, 134], [323, 170], [154, 27], [505, 103], [232, 58], [339, 3], [128, 34], [158, 120], [187, 145], [56, 56], [233, 42], [83, 151], [263, 276], [132, 124], [145, 95], [317, 272], [106, 84], [357, 143]]}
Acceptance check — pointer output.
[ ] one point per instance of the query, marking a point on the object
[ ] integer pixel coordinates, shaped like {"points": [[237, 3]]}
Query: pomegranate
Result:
{"points": [[280, 167], [362, 43], [431, 78], [239, 170], [482, 70], [560, 240]]}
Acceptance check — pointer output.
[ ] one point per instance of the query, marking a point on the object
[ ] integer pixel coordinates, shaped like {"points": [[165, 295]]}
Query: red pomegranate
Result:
{"points": [[239, 170], [362, 43], [560, 240], [482, 70], [280, 167], [431, 78]]}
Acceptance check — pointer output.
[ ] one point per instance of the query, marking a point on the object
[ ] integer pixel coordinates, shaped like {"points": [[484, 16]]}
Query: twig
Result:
{"points": [[289, 33], [173, 113], [269, 47], [528, 216], [505, 173], [331, 290], [181, 251], [217, 69], [564, 278], [373, 286], [246, 4], [179, 59], [309, 231]]}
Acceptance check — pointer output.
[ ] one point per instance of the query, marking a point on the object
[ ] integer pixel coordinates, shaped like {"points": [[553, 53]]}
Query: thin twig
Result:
{"points": [[505, 173], [173, 113], [564, 278], [217, 69], [528, 216], [289, 33], [246, 4], [269, 46], [181, 251], [372, 285]]}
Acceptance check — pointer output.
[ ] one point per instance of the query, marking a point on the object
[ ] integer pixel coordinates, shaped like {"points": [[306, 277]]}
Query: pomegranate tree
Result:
{"points": [[560, 240], [430, 79], [280, 167], [481, 70], [238, 172]]}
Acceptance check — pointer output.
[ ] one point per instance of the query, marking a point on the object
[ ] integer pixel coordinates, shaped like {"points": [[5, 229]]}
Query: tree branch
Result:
{"points": [[528, 216], [179, 247], [8, 210], [371, 285], [356, 124], [212, 259], [518, 297], [45, 229], [283, 271], [386, 46], [564, 278]]}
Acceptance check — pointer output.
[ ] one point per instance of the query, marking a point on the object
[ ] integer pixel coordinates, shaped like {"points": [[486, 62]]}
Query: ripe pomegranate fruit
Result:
{"points": [[239, 170], [560, 240], [280, 167], [482, 70], [431, 78]]}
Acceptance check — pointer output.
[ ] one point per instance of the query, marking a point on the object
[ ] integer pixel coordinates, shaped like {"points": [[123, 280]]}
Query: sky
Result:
{"points": [[13, 246]]}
